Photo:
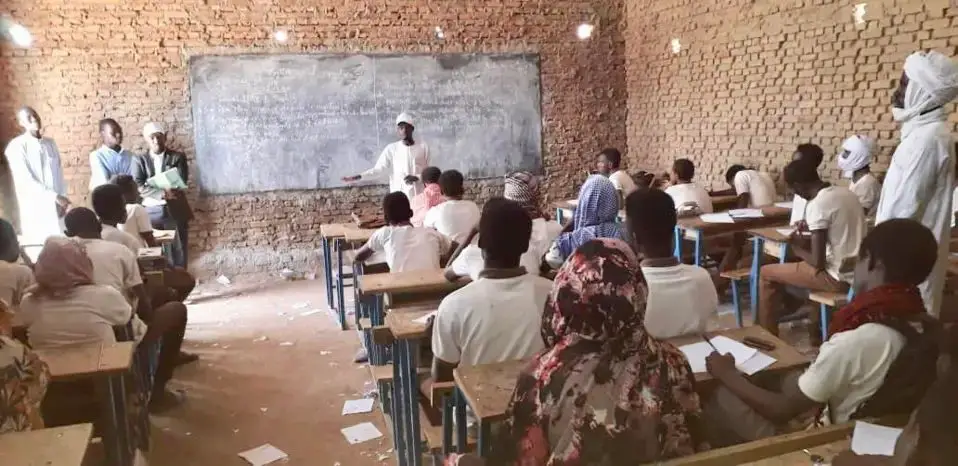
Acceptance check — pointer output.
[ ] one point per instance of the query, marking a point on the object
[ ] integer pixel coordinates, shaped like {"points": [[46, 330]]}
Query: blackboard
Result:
{"points": [[303, 121]]}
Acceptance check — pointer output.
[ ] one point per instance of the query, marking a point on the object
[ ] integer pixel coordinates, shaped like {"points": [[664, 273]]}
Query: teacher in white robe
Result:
{"points": [[920, 179], [38, 180], [402, 161]]}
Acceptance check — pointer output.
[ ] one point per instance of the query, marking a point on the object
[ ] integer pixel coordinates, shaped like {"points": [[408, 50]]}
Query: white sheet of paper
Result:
{"points": [[746, 213], [425, 319], [721, 217], [360, 433], [873, 439], [696, 354], [263, 455], [785, 231], [573, 202], [149, 252], [756, 363], [364, 405], [726, 345], [150, 202], [785, 205]]}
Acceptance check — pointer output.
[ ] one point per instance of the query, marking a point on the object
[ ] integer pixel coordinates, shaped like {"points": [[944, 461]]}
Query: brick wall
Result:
{"points": [[128, 60], [754, 78]]}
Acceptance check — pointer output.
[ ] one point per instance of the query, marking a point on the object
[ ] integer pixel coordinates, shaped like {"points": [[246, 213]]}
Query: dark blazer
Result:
{"points": [[142, 170]]}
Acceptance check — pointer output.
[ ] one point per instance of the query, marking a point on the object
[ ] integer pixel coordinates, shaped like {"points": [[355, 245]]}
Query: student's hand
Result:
{"points": [[63, 202], [801, 226], [720, 365], [409, 179], [350, 179]]}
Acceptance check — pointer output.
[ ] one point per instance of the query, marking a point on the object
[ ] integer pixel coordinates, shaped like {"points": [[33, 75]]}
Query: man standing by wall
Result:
{"points": [[38, 180], [920, 179], [111, 158], [176, 214], [402, 161]]}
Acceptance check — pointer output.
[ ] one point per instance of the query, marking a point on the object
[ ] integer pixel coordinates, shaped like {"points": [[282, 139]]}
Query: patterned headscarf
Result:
{"points": [[523, 187], [595, 216], [62, 265], [603, 391]]}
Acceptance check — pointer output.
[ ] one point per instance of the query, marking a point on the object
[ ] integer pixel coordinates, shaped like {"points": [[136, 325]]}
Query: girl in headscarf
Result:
{"points": [[855, 163], [595, 217], [603, 392], [23, 382]]}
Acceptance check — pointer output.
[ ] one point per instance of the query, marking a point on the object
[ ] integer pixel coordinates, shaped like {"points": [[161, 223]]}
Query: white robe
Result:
{"points": [[398, 161], [38, 180], [919, 186]]}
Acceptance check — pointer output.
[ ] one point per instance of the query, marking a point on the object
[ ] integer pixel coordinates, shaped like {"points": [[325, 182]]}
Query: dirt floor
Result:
{"points": [[270, 374], [267, 374]]}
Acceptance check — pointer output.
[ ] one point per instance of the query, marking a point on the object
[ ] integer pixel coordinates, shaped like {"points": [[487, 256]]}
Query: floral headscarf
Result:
{"points": [[595, 215], [603, 392]]}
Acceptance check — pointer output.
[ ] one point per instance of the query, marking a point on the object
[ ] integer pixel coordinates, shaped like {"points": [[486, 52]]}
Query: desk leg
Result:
{"points": [[698, 247], [377, 353], [756, 274], [117, 437], [399, 440], [328, 271], [782, 252], [448, 403], [340, 282], [461, 433], [677, 251], [405, 357], [485, 436], [559, 215], [823, 321]]}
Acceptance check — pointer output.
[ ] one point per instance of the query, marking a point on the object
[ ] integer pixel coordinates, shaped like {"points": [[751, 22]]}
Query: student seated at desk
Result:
{"points": [[522, 188], [875, 363], [495, 318], [111, 208], [836, 224], [690, 198], [609, 164], [855, 164], [603, 392], [681, 297], [454, 217], [753, 188], [430, 196], [15, 278], [813, 154], [406, 247], [137, 223], [596, 216], [23, 383]]}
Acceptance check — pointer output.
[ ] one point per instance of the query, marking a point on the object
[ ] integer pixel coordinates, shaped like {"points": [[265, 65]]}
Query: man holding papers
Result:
{"points": [[162, 175], [874, 363]]}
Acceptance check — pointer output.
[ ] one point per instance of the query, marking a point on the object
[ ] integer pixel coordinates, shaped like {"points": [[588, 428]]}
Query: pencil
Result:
{"points": [[706, 338]]}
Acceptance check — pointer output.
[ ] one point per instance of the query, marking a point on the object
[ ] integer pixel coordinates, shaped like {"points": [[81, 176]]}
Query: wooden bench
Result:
{"points": [[56, 446], [826, 300]]}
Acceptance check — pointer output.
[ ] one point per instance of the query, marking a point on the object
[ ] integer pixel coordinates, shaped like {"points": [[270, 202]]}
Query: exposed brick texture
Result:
{"points": [[754, 78], [128, 60]]}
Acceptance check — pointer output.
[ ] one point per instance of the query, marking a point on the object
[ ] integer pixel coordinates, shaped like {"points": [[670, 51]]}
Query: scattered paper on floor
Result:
{"points": [[309, 313], [364, 405], [360, 433], [263, 455]]}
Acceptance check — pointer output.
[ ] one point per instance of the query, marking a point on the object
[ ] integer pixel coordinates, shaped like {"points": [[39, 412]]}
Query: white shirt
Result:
{"points": [[453, 218], [37, 181], [799, 204], [686, 194], [409, 248], [850, 367], [491, 320], [758, 185], [398, 161], [15, 279], [469, 262], [157, 162], [868, 190], [111, 233], [954, 204], [85, 316], [681, 300], [837, 209], [113, 264], [137, 221], [919, 186], [622, 182]]}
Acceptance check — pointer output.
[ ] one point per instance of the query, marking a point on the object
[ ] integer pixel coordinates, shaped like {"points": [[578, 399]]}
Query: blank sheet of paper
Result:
{"points": [[756, 363], [873, 439], [360, 433], [263, 455], [425, 319], [746, 213], [726, 345], [785, 205], [364, 405], [721, 217], [696, 354]]}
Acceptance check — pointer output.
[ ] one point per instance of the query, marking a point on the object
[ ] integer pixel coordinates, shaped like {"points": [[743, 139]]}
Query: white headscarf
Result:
{"points": [[932, 82], [859, 154]]}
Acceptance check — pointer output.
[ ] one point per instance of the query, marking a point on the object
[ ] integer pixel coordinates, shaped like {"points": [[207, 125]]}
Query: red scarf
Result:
{"points": [[893, 301]]}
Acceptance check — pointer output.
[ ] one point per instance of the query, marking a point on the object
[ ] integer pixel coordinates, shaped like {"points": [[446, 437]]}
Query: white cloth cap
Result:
{"points": [[932, 82], [859, 155], [404, 118], [152, 128]]}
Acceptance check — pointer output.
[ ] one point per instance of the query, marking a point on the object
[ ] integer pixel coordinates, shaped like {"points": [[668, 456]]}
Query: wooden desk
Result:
{"points": [[56, 446], [696, 229], [106, 364], [329, 232], [800, 458], [356, 235], [721, 203], [164, 236], [488, 388], [334, 235]]}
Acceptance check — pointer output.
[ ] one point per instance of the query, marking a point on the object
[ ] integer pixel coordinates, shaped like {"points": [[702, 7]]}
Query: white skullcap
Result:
{"points": [[152, 128], [404, 118]]}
